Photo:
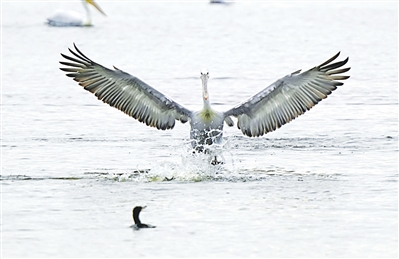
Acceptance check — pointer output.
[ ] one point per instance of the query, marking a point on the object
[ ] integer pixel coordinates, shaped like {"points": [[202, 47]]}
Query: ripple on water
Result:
{"points": [[191, 169], [199, 167]]}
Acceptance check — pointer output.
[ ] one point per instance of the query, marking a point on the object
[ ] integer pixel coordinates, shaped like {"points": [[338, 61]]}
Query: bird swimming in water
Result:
{"points": [[137, 222], [66, 18], [279, 103]]}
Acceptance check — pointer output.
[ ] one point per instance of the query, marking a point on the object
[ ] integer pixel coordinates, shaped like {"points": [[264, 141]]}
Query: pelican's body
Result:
{"points": [[276, 105], [65, 18], [206, 126]]}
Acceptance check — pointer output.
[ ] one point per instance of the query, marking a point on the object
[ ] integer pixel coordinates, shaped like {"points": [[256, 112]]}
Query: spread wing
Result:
{"points": [[288, 97], [124, 92]]}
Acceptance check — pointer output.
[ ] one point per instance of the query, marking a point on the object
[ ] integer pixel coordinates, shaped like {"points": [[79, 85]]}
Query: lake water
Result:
{"points": [[324, 185]]}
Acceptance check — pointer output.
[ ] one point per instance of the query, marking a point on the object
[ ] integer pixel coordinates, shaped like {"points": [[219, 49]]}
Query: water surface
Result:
{"points": [[324, 185]]}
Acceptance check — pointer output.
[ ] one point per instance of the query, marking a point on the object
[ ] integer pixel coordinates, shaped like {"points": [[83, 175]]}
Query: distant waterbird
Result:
{"points": [[221, 1], [65, 18], [137, 222], [266, 111]]}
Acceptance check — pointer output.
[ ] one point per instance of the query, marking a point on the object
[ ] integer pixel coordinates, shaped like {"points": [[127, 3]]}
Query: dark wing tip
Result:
{"points": [[330, 60], [345, 61], [327, 66]]}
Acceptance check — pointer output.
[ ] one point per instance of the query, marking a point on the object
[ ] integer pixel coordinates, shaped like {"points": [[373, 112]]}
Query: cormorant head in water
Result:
{"points": [[138, 224]]}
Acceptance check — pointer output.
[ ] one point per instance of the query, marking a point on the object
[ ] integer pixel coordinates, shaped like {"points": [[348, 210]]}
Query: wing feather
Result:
{"points": [[288, 97], [124, 92]]}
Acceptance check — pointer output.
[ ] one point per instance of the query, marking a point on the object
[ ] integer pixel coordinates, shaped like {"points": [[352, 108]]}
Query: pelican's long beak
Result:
{"points": [[204, 78], [96, 6]]}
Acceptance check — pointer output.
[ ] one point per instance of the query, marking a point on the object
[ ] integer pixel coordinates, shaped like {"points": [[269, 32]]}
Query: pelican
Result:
{"points": [[62, 18], [266, 111]]}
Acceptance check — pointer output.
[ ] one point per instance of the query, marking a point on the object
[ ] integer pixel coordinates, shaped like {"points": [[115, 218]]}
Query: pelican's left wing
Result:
{"points": [[125, 92], [287, 98]]}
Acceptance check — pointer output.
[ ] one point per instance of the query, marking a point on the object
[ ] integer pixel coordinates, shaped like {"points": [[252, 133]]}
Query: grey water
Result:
{"points": [[323, 185]]}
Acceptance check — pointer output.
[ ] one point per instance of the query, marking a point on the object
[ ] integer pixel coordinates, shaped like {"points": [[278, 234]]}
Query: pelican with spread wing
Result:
{"points": [[63, 18], [266, 111]]}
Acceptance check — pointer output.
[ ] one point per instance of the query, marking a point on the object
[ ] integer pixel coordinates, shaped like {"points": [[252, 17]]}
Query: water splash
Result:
{"points": [[196, 166], [218, 162]]}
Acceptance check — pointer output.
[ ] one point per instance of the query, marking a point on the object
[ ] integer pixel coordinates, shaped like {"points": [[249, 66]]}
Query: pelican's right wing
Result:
{"points": [[125, 92], [287, 98]]}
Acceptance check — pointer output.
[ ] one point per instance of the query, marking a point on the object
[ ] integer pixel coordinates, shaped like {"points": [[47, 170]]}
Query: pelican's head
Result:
{"points": [[95, 5], [204, 77]]}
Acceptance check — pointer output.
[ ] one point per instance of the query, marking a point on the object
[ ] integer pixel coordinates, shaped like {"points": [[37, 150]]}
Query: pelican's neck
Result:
{"points": [[87, 21], [205, 94], [207, 105]]}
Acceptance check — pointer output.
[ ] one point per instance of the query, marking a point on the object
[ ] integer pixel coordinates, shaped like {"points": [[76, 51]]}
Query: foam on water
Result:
{"points": [[198, 167], [193, 167]]}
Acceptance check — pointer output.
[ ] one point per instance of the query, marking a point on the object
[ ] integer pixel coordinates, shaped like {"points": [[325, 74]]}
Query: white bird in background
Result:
{"points": [[274, 106], [221, 2], [63, 18]]}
